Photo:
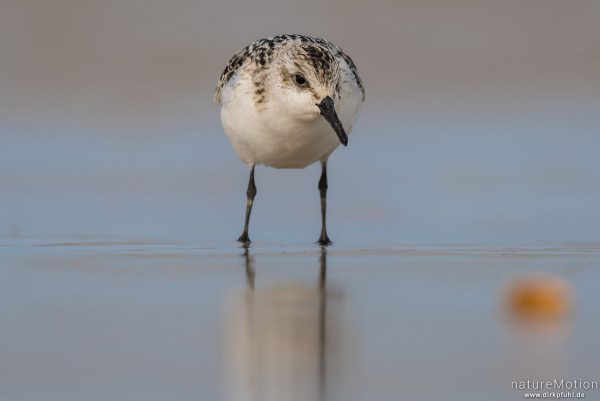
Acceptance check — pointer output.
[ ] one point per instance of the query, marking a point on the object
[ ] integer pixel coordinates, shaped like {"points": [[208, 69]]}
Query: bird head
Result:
{"points": [[305, 83]]}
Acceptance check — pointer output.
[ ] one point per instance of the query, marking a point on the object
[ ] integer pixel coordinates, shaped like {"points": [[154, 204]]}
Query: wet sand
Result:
{"points": [[109, 319]]}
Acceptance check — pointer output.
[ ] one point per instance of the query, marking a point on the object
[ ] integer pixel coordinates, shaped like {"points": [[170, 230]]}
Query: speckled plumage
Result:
{"points": [[320, 53], [269, 118], [286, 102]]}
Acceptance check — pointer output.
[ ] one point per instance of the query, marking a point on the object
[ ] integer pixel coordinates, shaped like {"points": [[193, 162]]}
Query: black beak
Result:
{"points": [[328, 111]]}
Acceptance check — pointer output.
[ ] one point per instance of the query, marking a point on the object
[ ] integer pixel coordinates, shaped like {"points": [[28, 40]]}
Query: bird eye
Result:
{"points": [[300, 80]]}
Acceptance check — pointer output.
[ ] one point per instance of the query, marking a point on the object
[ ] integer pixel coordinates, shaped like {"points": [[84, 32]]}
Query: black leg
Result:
{"points": [[324, 239], [250, 193]]}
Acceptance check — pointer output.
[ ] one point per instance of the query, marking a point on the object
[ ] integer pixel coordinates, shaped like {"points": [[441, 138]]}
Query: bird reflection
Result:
{"points": [[322, 320], [249, 267], [276, 338]]}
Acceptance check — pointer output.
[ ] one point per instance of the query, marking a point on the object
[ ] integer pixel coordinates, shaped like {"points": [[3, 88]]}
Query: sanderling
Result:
{"points": [[287, 102]]}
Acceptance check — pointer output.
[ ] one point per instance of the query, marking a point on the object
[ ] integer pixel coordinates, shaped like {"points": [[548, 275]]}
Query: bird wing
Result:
{"points": [[350, 63], [234, 64], [259, 51]]}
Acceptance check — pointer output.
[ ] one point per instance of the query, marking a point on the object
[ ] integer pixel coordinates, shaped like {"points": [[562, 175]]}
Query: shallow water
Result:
{"points": [[102, 319], [400, 181], [119, 278]]}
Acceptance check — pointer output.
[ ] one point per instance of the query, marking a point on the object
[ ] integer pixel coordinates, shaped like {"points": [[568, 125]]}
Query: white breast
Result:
{"points": [[268, 135]]}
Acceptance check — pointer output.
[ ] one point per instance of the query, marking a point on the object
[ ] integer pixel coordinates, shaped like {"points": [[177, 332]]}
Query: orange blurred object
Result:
{"points": [[539, 298]]}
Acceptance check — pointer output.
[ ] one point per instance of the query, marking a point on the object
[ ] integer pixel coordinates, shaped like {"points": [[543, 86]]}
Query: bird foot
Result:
{"points": [[324, 240], [244, 238]]}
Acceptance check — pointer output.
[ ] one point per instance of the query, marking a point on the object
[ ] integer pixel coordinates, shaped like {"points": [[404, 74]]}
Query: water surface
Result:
{"points": [[107, 319]]}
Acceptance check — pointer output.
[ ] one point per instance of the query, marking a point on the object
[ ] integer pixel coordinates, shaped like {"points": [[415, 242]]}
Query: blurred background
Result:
{"points": [[480, 125], [464, 210]]}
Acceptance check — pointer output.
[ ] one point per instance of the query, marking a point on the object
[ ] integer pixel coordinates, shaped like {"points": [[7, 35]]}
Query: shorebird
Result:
{"points": [[288, 101]]}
